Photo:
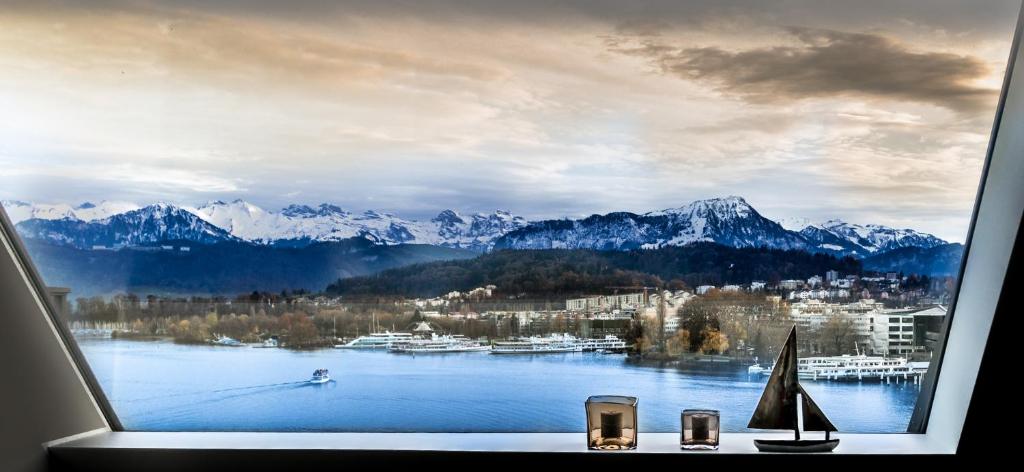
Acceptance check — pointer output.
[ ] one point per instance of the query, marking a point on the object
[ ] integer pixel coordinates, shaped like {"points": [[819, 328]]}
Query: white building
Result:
{"points": [[703, 289], [843, 283], [597, 303], [791, 284]]}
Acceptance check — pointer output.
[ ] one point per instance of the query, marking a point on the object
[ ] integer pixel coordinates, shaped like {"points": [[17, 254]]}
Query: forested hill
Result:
{"points": [[565, 272]]}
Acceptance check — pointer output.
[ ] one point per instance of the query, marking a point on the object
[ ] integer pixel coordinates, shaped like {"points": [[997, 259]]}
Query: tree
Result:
{"points": [[642, 345], [714, 342], [699, 316], [679, 343], [837, 336]]}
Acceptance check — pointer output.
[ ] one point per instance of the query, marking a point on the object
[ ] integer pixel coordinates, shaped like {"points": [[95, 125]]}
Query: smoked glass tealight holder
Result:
{"points": [[700, 429], [611, 422]]}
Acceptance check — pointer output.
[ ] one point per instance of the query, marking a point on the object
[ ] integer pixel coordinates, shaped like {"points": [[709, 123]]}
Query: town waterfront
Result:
{"points": [[163, 386]]}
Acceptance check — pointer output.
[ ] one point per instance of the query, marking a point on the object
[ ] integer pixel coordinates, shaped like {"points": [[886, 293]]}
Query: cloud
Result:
{"points": [[825, 64], [545, 108]]}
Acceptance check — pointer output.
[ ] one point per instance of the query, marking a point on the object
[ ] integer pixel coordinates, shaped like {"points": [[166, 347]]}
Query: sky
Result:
{"points": [[869, 111]]}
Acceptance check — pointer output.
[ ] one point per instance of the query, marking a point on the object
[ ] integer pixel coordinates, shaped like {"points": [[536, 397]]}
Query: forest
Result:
{"points": [[559, 273]]}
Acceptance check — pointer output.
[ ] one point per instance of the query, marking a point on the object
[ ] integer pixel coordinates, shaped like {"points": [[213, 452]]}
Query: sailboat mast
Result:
{"points": [[797, 418]]}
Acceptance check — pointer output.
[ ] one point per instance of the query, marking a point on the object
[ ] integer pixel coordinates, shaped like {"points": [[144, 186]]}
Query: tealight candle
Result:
{"points": [[611, 422], [700, 429]]}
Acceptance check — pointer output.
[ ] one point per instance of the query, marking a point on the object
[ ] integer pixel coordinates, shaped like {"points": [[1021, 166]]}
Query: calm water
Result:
{"points": [[167, 387]]}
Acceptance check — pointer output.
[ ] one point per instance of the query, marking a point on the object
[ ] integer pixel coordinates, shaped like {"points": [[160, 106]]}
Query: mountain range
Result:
{"points": [[729, 221], [231, 247]]}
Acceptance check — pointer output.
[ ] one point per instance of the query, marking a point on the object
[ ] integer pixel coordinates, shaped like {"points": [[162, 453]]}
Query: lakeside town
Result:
{"points": [[885, 316]]}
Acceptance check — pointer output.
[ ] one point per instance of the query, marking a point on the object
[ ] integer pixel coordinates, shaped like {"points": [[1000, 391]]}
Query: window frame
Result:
{"points": [[939, 415]]}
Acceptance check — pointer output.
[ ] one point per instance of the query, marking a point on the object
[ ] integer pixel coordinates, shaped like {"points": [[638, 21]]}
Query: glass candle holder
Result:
{"points": [[611, 422], [700, 429]]}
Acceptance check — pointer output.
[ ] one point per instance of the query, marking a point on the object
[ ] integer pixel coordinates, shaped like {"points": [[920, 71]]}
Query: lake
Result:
{"points": [[162, 386]]}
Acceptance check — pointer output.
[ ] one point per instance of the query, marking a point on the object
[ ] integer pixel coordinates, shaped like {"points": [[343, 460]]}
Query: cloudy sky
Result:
{"points": [[870, 111]]}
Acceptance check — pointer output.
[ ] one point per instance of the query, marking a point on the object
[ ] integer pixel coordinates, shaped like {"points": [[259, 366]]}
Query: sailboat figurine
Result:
{"points": [[778, 408]]}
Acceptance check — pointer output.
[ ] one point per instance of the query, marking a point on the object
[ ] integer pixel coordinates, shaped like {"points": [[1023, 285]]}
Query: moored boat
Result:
{"points": [[227, 341], [608, 344], [858, 367], [377, 341], [553, 343], [438, 345]]}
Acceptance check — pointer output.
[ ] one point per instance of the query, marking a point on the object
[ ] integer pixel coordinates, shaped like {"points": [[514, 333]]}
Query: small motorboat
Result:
{"points": [[756, 369], [320, 376], [227, 341]]}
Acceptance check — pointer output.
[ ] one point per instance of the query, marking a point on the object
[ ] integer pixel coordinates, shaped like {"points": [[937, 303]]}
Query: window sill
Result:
{"points": [[650, 443]]}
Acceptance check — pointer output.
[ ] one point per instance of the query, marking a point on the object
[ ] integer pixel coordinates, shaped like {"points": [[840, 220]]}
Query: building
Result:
{"points": [[757, 285], [815, 281], [600, 303], [928, 325], [894, 332], [791, 284], [703, 289], [842, 283], [832, 276]]}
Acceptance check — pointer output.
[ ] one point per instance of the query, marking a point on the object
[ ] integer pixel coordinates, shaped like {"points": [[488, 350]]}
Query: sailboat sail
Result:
{"points": [[814, 418], [777, 408]]}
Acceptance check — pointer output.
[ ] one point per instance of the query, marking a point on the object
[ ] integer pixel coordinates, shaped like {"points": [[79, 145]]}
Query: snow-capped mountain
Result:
{"points": [[89, 211], [730, 221], [477, 231], [20, 211], [148, 225], [301, 223], [864, 240]]}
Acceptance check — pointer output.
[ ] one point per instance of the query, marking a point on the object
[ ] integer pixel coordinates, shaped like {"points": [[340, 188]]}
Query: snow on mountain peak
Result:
{"points": [[87, 211], [448, 217], [722, 206], [727, 220], [298, 211], [866, 239]]}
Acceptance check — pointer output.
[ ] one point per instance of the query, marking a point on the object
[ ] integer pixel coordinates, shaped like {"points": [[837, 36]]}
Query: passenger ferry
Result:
{"points": [[609, 343], [377, 341], [539, 345], [858, 367], [438, 345]]}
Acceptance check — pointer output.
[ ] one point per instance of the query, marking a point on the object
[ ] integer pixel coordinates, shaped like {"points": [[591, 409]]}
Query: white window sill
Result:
{"points": [[649, 443]]}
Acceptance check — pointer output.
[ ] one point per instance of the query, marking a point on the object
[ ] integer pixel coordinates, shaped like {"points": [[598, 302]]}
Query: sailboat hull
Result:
{"points": [[791, 445]]}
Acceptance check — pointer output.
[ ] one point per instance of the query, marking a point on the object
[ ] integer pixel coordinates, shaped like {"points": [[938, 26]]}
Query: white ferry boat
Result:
{"points": [[539, 345], [858, 367], [609, 343], [438, 345], [377, 341]]}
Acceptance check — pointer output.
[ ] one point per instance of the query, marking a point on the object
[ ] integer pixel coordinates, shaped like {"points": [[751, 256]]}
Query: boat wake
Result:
{"points": [[237, 391]]}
